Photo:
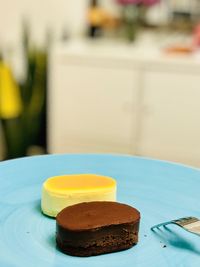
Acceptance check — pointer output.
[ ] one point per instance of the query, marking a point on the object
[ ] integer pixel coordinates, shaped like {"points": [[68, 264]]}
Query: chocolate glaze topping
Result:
{"points": [[96, 214]]}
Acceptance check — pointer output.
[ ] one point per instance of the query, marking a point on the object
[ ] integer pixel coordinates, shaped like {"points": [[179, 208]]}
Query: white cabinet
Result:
{"points": [[93, 109], [170, 127], [122, 100]]}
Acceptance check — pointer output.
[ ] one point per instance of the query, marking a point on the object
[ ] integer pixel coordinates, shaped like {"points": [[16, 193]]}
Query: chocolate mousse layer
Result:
{"points": [[93, 228]]}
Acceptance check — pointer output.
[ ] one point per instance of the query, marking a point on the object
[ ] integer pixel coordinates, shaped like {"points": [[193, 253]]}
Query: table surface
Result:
{"points": [[160, 190]]}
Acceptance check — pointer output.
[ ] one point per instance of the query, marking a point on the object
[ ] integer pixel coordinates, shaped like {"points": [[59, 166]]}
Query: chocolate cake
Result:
{"points": [[93, 228]]}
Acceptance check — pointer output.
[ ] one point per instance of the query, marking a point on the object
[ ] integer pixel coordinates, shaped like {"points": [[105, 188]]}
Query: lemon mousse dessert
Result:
{"points": [[59, 192]]}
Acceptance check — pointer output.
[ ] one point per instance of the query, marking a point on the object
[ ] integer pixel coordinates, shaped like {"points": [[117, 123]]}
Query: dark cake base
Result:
{"points": [[94, 250], [106, 240]]}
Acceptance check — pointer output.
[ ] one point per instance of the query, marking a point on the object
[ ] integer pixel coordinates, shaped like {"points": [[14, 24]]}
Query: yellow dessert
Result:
{"points": [[62, 191]]}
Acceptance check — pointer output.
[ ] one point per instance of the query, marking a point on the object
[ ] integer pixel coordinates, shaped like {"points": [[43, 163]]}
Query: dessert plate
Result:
{"points": [[160, 190]]}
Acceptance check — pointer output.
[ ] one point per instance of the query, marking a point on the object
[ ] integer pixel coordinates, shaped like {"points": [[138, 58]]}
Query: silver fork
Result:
{"points": [[190, 224]]}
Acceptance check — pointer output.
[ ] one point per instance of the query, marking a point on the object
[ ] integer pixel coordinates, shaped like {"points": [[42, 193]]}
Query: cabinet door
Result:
{"points": [[170, 126], [92, 109]]}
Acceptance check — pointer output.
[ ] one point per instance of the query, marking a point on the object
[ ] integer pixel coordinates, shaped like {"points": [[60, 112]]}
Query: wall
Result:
{"points": [[41, 14], [58, 15], [54, 13]]}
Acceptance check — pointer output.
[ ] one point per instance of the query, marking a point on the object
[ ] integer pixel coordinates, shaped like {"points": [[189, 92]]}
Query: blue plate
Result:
{"points": [[160, 190]]}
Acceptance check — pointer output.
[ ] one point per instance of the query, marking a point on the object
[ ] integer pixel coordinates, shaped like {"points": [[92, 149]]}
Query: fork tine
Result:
{"points": [[170, 222], [190, 224], [160, 224]]}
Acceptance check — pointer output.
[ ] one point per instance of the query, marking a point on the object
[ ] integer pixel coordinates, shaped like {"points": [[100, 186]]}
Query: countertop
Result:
{"points": [[149, 48]]}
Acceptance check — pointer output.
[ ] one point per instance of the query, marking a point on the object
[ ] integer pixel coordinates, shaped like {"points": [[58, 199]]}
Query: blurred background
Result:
{"points": [[100, 76]]}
